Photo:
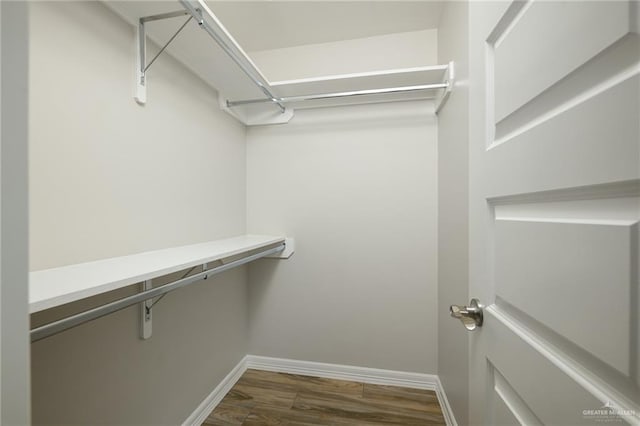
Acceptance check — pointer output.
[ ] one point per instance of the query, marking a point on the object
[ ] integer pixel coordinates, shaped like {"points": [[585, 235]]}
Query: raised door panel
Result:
{"points": [[575, 278], [546, 393], [573, 148], [507, 407], [552, 38]]}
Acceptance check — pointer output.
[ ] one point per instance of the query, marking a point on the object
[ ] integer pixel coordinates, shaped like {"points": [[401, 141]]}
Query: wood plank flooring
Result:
{"points": [[265, 398]]}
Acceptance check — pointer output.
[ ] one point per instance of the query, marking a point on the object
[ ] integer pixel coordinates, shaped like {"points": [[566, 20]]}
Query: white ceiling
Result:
{"points": [[262, 25]]}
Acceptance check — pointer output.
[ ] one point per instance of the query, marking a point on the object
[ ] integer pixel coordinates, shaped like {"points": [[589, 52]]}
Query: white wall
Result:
{"points": [[384, 52], [14, 317], [453, 208], [109, 177], [357, 187]]}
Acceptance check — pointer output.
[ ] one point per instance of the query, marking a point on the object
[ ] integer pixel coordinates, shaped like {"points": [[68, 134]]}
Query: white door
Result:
{"points": [[554, 234]]}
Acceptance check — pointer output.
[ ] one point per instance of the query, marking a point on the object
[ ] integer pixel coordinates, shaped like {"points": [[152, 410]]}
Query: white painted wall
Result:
{"points": [[14, 317], [453, 207], [109, 178], [357, 187], [378, 53]]}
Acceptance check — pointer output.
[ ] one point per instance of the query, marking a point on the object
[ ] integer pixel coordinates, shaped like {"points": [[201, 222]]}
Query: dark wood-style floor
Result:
{"points": [[265, 398]]}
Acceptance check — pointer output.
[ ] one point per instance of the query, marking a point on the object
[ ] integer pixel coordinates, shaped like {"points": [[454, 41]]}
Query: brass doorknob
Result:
{"points": [[471, 316]]}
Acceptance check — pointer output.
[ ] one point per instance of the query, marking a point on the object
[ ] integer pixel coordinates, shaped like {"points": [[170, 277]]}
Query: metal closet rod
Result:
{"points": [[100, 311], [251, 72], [343, 94]]}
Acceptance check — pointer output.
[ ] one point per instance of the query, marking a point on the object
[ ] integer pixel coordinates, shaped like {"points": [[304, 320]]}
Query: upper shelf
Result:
{"points": [[361, 81], [53, 287], [192, 47], [367, 87], [245, 93]]}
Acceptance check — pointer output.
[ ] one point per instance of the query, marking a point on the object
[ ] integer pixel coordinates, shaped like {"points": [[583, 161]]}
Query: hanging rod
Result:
{"points": [[344, 94], [221, 36], [100, 311]]}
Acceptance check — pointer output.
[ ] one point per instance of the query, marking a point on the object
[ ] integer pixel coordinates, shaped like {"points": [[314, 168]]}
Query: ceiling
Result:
{"points": [[263, 25]]}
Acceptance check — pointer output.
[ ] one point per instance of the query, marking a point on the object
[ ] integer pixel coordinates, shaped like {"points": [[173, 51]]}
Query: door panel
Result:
{"points": [[613, 65], [554, 397], [555, 206], [501, 413], [508, 407], [555, 38], [573, 148], [584, 267]]}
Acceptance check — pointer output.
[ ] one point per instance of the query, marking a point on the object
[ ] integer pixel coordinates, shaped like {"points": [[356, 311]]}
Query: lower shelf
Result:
{"points": [[57, 286]]}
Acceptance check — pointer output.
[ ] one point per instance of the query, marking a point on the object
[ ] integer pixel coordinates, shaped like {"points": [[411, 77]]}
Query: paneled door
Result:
{"points": [[554, 199]]}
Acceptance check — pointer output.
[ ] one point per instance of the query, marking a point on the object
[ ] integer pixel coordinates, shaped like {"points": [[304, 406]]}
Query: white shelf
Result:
{"points": [[361, 81], [54, 287], [204, 56], [263, 113], [192, 47]]}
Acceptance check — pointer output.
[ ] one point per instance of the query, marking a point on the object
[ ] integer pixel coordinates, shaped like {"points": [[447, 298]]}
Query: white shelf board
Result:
{"points": [[192, 47], [266, 113], [202, 55], [361, 81], [54, 287]]}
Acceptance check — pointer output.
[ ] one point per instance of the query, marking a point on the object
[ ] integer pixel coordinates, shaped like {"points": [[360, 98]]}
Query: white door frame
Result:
{"points": [[14, 302]]}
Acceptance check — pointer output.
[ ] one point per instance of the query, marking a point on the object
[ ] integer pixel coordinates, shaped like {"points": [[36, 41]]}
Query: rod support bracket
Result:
{"points": [[450, 79], [198, 16], [146, 313]]}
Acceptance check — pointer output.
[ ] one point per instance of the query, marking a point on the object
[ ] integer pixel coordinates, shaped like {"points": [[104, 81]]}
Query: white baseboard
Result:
{"points": [[213, 399], [447, 412], [344, 372], [329, 371], [357, 374]]}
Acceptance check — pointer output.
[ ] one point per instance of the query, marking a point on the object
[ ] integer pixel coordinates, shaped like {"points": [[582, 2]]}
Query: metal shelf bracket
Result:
{"points": [[146, 313], [141, 52]]}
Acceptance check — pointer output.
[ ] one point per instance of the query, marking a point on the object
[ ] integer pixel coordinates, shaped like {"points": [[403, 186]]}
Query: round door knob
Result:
{"points": [[470, 316]]}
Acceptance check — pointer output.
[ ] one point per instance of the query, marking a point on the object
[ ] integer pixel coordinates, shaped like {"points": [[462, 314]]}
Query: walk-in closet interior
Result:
{"points": [[212, 193]]}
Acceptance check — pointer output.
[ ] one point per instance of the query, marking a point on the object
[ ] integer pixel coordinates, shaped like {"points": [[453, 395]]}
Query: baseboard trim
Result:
{"points": [[343, 372], [213, 399], [329, 371], [447, 412], [357, 374]]}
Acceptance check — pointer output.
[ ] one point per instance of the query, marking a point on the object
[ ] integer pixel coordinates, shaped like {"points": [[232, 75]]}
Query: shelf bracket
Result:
{"points": [[141, 52], [146, 313], [450, 81]]}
